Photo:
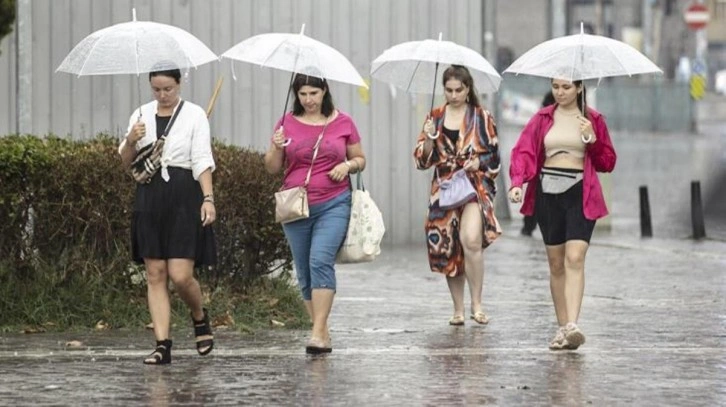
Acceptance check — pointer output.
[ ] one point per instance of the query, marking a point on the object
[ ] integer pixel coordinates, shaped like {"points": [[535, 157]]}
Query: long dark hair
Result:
{"points": [[302, 80], [581, 98], [549, 99], [462, 74]]}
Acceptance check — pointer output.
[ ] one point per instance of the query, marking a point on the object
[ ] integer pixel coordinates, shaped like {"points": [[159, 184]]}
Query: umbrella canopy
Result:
{"points": [[580, 57], [414, 65], [296, 53], [136, 47]]}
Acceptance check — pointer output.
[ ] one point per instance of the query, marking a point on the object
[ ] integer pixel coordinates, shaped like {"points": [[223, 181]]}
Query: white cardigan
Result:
{"points": [[188, 143]]}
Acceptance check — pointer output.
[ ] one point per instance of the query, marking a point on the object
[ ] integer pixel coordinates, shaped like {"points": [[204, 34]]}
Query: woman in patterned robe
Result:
{"points": [[460, 135]]}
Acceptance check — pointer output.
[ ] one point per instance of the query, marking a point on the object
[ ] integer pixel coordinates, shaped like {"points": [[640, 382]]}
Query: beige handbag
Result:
{"points": [[292, 204]]}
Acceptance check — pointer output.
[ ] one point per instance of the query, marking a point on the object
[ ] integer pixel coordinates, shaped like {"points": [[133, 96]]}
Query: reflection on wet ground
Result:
{"points": [[654, 314]]}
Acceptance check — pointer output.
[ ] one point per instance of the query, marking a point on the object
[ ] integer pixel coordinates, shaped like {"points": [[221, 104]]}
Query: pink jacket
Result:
{"points": [[528, 158]]}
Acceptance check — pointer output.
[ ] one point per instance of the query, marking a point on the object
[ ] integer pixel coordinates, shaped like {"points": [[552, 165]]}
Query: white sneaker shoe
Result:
{"points": [[558, 342], [574, 336]]}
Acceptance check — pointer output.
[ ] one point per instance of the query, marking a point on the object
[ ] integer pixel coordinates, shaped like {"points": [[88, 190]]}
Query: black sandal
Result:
{"points": [[202, 328], [161, 355]]}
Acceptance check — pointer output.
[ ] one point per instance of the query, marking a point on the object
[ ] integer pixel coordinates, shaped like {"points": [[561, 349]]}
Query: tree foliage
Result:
{"points": [[7, 17]]}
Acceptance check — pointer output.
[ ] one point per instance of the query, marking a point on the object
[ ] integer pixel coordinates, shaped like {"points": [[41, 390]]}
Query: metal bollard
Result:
{"points": [[699, 228], [646, 227]]}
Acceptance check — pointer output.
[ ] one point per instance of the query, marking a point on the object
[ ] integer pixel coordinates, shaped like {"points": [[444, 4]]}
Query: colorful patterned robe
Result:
{"points": [[477, 137]]}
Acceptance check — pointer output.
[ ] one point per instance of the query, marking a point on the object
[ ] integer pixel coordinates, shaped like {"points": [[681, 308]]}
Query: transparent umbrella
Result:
{"points": [[414, 66], [136, 47], [582, 56], [295, 53]]}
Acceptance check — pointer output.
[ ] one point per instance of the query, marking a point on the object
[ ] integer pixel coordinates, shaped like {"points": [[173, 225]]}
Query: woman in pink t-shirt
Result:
{"points": [[314, 241]]}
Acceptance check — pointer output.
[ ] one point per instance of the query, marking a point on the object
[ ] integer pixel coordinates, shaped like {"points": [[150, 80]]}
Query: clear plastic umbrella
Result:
{"points": [[414, 65], [582, 56], [295, 53], [136, 47]]}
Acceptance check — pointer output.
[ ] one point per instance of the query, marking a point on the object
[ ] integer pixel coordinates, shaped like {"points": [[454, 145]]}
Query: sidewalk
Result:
{"points": [[654, 314]]}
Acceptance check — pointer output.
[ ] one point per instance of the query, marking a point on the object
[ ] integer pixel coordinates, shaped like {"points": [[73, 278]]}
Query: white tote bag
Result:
{"points": [[365, 229]]}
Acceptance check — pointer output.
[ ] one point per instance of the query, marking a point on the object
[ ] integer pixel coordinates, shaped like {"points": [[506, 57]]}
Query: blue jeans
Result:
{"points": [[315, 242]]}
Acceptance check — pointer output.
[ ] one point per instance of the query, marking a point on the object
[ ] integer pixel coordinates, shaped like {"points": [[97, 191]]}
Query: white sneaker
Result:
{"points": [[574, 336], [558, 342]]}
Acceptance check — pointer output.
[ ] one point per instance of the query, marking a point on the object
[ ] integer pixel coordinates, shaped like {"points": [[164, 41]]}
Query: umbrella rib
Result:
{"points": [[80, 71], [318, 63], [413, 75], [373, 72], [574, 57], [267, 58], [619, 61], [525, 60]]}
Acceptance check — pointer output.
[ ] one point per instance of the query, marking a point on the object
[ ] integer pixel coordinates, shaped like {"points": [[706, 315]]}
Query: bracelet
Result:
{"points": [[350, 168], [209, 198]]}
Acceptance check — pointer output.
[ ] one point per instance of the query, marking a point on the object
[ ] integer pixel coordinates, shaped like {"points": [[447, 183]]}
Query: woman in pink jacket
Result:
{"points": [[558, 155]]}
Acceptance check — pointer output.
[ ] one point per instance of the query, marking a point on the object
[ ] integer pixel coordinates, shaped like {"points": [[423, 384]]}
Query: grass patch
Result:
{"points": [[51, 298]]}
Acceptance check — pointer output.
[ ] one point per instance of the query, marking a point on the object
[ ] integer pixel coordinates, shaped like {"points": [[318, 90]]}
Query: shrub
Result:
{"points": [[7, 17], [65, 210], [252, 243]]}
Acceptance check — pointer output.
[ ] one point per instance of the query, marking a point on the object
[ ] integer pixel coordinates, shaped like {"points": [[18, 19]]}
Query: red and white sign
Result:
{"points": [[696, 16]]}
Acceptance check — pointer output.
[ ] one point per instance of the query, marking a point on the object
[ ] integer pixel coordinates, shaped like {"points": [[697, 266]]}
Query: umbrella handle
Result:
{"points": [[213, 99], [433, 94]]}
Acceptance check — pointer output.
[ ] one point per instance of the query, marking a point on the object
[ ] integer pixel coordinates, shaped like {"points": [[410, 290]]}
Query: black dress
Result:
{"points": [[166, 220]]}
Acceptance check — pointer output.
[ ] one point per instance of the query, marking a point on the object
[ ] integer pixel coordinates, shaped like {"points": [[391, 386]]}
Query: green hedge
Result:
{"points": [[65, 211]]}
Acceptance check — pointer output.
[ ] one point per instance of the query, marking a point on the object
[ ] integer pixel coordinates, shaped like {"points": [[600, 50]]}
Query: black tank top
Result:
{"points": [[161, 123], [453, 135]]}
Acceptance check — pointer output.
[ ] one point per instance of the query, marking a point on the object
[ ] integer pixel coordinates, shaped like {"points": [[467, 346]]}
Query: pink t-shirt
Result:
{"points": [[340, 133]]}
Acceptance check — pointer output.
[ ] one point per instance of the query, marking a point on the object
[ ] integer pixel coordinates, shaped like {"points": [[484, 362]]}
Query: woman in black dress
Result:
{"points": [[172, 215]]}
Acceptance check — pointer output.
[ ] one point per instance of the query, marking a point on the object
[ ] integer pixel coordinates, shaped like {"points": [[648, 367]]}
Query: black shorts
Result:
{"points": [[561, 217]]}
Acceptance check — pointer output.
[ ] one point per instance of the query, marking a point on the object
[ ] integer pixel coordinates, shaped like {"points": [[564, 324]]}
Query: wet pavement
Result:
{"points": [[654, 314]]}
